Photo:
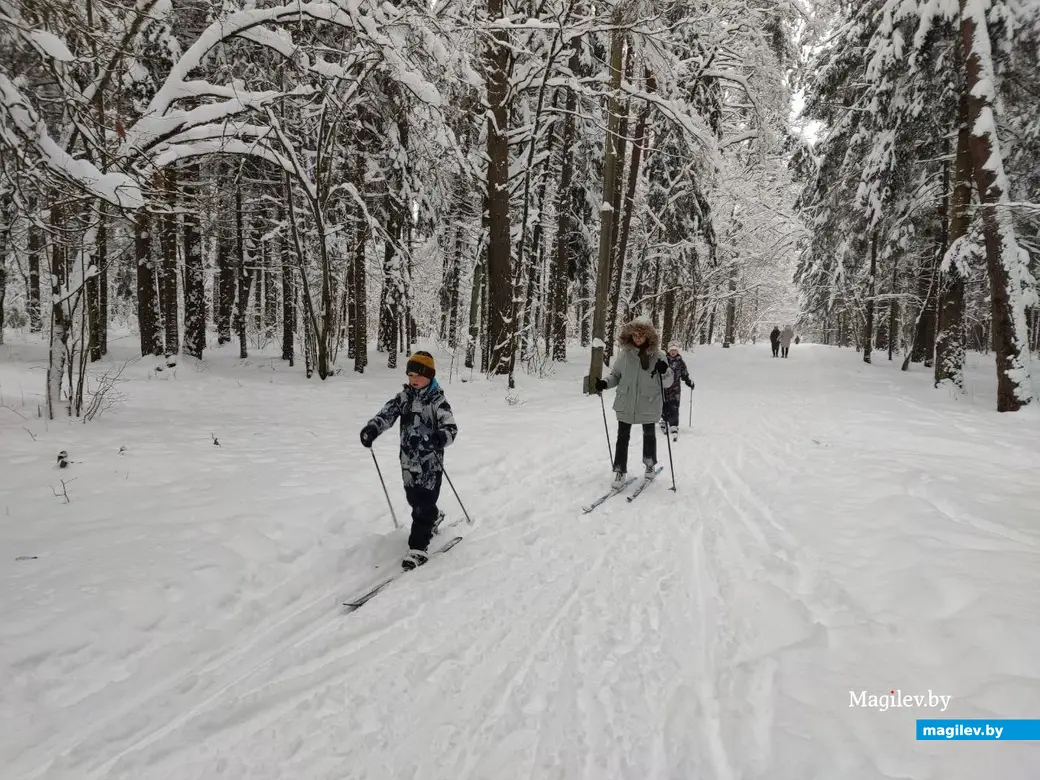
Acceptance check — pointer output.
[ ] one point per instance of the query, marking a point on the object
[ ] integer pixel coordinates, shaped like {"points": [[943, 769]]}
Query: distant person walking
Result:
{"points": [[774, 340], [785, 339]]}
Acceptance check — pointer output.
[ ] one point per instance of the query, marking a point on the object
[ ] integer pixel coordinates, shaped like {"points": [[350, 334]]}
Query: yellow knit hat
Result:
{"points": [[422, 363]]}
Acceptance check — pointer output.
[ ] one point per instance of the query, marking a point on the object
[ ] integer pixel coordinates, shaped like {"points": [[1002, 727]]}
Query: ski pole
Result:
{"points": [[668, 439], [469, 520], [385, 491], [606, 430], [691, 408], [436, 432]]}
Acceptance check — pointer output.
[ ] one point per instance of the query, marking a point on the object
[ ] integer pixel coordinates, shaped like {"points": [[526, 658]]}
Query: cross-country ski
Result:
{"points": [[614, 491], [645, 483], [361, 600]]}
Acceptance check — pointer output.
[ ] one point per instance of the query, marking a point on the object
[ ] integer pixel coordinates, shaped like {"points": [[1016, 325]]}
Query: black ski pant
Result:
{"points": [[624, 432], [785, 351], [776, 348], [671, 412], [423, 502]]}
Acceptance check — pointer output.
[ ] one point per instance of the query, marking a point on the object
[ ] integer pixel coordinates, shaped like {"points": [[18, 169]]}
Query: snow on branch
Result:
{"points": [[150, 131], [21, 118], [223, 145], [250, 25]]}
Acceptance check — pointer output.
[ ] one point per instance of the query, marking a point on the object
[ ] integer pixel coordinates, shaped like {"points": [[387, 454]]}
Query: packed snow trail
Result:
{"points": [[837, 528]]}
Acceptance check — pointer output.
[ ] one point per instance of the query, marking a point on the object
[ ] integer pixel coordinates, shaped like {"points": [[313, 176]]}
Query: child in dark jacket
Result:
{"points": [[673, 394], [427, 427]]}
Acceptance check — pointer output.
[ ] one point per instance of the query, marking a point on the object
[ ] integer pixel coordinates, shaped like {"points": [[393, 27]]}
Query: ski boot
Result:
{"points": [[619, 480], [414, 559], [650, 465], [675, 433]]}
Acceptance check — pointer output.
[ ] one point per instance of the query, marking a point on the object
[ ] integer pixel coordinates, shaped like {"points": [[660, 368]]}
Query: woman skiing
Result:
{"points": [[673, 395], [638, 374]]}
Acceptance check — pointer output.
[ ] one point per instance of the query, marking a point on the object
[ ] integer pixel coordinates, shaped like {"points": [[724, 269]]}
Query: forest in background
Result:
{"points": [[508, 177]]}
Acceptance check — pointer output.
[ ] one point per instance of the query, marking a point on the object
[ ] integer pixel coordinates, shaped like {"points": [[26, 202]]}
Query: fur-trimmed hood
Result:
{"points": [[643, 326]]}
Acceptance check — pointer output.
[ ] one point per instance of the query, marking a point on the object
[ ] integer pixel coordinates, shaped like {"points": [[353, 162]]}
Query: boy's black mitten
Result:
{"points": [[689, 383], [368, 434], [601, 385]]}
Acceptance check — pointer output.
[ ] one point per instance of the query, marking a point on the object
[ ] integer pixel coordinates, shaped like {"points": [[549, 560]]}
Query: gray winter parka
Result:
{"points": [[638, 400]]}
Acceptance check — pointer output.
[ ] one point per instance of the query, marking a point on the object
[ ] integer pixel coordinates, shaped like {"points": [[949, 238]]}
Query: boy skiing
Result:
{"points": [[427, 427], [673, 395], [638, 373]]}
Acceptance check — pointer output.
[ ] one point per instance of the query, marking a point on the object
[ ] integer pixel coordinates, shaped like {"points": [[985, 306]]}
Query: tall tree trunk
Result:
{"points": [[562, 259], [271, 285], [147, 291], [248, 240], [868, 327], [102, 331], [485, 315], [629, 207], [499, 276], [260, 283], [923, 348], [453, 289], [535, 251], [893, 309], [96, 286], [949, 343], [32, 296], [168, 275], [194, 273], [731, 307], [668, 323], [390, 312], [384, 338], [583, 291], [616, 268], [61, 324], [7, 214], [476, 290], [224, 289], [1007, 265], [525, 272], [359, 323], [603, 276], [288, 277]]}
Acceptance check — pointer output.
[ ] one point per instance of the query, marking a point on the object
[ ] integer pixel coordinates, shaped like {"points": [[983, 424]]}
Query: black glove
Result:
{"points": [[689, 383], [441, 438], [601, 385], [661, 367], [368, 434]]}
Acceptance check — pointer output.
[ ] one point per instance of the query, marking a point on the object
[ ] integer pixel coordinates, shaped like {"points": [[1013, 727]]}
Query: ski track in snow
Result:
{"points": [[836, 528]]}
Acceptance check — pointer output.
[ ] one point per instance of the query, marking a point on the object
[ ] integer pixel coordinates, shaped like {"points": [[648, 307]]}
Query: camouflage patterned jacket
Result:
{"points": [[424, 414], [681, 373]]}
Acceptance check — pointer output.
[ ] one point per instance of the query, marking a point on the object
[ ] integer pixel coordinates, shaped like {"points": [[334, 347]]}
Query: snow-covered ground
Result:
{"points": [[837, 528]]}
